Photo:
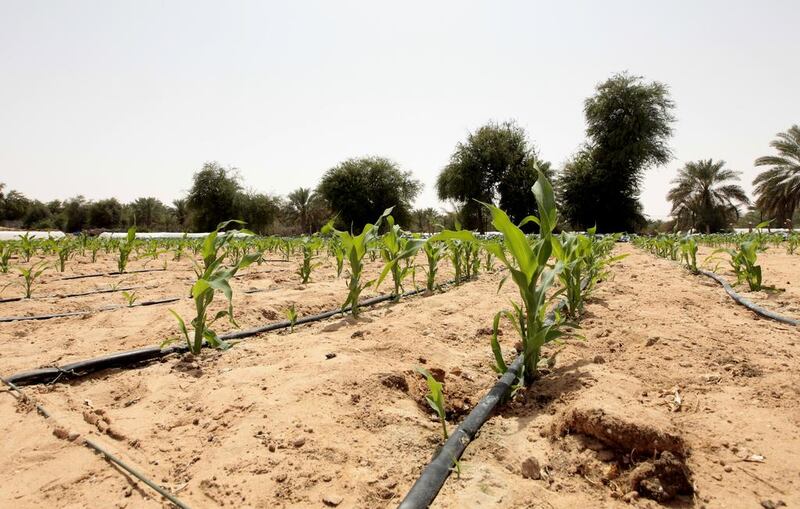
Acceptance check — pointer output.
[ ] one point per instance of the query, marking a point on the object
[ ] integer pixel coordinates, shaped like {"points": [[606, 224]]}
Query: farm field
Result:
{"points": [[335, 414], [780, 269]]}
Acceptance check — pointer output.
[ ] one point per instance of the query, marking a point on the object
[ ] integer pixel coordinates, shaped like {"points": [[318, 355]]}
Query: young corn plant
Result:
{"points": [[64, 250], [26, 247], [291, 315], [124, 249], [130, 298], [6, 250], [743, 262], [396, 249], [435, 398], [338, 254], [30, 275], [434, 252], [309, 246], [689, 253], [572, 251], [527, 265], [355, 248], [212, 276]]}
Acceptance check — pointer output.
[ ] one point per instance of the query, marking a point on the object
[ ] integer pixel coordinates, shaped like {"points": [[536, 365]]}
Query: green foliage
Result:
{"points": [[355, 248], [30, 275], [688, 247], [434, 252], [743, 262], [777, 189], [705, 197], [130, 298], [495, 159], [124, 249], [6, 250], [628, 128], [212, 277], [396, 249], [309, 246], [291, 315], [360, 189], [528, 269], [435, 398]]}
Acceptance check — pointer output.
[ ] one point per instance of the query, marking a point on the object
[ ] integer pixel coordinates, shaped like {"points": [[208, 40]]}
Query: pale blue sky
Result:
{"points": [[128, 99]]}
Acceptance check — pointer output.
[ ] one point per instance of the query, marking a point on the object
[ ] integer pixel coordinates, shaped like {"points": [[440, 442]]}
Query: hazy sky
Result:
{"points": [[128, 99]]}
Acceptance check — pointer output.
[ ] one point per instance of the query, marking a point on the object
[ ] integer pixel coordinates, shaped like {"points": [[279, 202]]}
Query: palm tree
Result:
{"points": [[301, 201], [777, 189], [705, 196]]}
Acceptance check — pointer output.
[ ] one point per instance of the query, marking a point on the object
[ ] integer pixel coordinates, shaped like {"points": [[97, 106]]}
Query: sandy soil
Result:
{"points": [[280, 421], [779, 270], [61, 340]]}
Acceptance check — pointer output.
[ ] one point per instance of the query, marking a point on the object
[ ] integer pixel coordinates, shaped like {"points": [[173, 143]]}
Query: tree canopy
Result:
{"points": [[777, 189], [628, 126], [495, 161], [705, 196], [359, 190]]}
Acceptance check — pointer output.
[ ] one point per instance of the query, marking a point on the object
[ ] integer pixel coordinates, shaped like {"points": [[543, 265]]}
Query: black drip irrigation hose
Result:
{"points": [[101, 274], [69, 295], [427, 486], [91, 444], [747, 303], [83, 313], [129, 358]]}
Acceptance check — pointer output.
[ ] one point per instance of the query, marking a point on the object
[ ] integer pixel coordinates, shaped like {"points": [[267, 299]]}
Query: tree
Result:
{"points": [[105, 214], [149, 214], [425, 220], [359, 190], [181, 213], [628, 126], [307, 209], [75, 214], [212, 198], [257, 210], [777, 189], [705, 197], [494, 160]]}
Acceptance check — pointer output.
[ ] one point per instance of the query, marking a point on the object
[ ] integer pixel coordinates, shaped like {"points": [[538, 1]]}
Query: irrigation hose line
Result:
{"points": [[101, 274], [766, 313], [126, 358], [82, 313], [427, 486], [747, 303], [69, 295], [91, 444]]}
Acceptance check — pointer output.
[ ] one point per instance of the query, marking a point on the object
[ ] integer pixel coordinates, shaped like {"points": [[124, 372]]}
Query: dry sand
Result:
{"points": [[335, 411]]}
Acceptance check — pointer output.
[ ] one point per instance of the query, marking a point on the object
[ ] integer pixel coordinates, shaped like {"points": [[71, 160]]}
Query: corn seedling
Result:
{"points": [[130, 298], [64, 250], [30, 275], [291, 315], [572, 250], [689, 253], [355, 248], [6, 250], [124, 249], [528, 270], [434, 251], [397, 248], [435, 398], [309, 246], [212, 276], [743, 262]]}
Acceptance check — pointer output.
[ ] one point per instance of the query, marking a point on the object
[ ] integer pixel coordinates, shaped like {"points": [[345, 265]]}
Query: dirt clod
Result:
{"points": [[531, 469], [661, 479], [394, 381], [332, 500]]}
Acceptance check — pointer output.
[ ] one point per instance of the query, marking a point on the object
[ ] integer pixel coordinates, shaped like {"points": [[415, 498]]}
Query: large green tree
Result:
{"points": [[706, 197], [495, 162], [777, 189], [628, 125], [359, 190], [213, 196]]}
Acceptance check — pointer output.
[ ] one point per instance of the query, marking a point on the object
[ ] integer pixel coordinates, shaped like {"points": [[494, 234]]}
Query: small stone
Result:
{"points": [[531, 469], [326, 478], [60, 433], [115, 433], [280, 477], [728, 468], [769, 504], [299, 442], [271, 447], [598, 359], [332, 500], [330, 355]]}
